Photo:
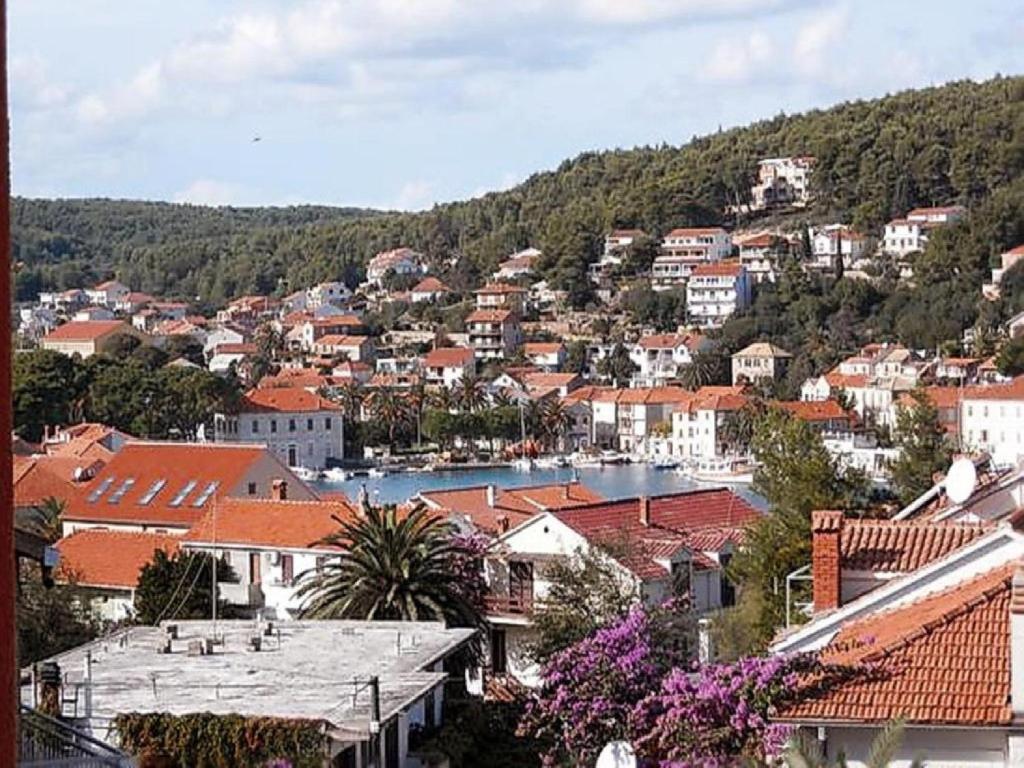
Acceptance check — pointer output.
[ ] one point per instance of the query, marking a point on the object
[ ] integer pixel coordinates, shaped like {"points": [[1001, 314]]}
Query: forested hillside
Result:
{"points": [[962, 143]]}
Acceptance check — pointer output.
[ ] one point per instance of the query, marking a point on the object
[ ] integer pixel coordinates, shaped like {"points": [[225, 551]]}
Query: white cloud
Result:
{"points": [[211, 192], [738, 61], [816, 38], [32, 86], [414, 196]]}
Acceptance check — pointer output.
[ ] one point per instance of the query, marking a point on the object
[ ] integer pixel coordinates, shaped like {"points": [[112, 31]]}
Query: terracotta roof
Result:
{"points": [[540, 379], [97, 557], [517, 504], [342, 340], [271, 523], [940, 397], [673, 520], [180, 466], [235, 349], [306, 378], [695, 231], [106, 284], [448, 357], [542, 347], [720, 269], [1013, 390], [815, 410], [762, 349], [336, 321], [1015, 251], [488, 316], [498, 289], [85, 330], [670, 341], [762, 240], [626, 233], [941, 660], [286, 400], [846, 380], [891, 546], [38, 478], [430, 285], [935, 210]]}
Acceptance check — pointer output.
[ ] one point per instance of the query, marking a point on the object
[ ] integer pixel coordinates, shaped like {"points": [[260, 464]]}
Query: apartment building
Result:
{"points": [[660, 358], [493, 333], [684, 249], [782, 181], [715, 292], [760, 360]]}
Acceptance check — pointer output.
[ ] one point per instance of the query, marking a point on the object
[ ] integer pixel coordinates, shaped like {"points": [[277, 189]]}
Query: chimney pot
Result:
{"points": [[279, 490], [826, 567], [645, 511]]}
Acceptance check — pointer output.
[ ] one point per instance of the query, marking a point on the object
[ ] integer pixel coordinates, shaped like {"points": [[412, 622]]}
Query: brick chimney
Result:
{"points": [[1017, 641], [645, 511], [279, 490], [826, 532]]}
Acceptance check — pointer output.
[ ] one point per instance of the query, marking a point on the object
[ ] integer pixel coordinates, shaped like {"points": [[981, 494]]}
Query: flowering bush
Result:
{"points": [[589, 691], [466, 564]]}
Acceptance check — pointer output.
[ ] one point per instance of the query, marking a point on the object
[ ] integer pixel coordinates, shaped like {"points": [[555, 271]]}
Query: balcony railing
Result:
{"points": [[48, 743], [509, 605]]}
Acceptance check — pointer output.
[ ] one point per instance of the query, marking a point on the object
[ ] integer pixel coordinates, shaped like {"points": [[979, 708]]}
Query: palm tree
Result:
{"points": [[441, 399], [350, 397], [702, 370], [45, 518], [804, 752], [391, 410], [390, 567], [501, 399], [555, 419], [469, 394]]}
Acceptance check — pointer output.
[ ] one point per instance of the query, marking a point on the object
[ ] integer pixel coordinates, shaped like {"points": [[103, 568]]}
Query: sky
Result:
{"points": [[404, 103]]}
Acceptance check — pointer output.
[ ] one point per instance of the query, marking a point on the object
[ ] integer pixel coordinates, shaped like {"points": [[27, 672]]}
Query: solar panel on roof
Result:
{"points": [[208, 491], [126, 486], [180, 497], [100, 490], [154, 489]]}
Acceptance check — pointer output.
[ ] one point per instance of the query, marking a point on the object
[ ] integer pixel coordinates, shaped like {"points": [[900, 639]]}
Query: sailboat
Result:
{"points": [[524, 463]]}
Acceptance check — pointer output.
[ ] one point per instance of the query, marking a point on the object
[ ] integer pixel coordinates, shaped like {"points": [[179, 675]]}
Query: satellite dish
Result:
{"points": [[617, 754], [960, 480]]}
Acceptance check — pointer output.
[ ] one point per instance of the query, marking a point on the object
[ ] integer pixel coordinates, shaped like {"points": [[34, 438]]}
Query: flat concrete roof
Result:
{"points": [[319, 670]]}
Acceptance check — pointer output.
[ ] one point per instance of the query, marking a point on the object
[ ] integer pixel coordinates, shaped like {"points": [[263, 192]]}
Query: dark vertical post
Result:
{"points": [[8, 580]]}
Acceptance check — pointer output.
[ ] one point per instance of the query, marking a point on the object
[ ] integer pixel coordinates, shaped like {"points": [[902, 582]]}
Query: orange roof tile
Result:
{"points": [[542, 347], [695, 231], [85, 330], [271, 523], [97, 557], [498, 288], [38, 478], [814, 410], [286, 400], [180, 466], [720, 269], [901, 546], [448, 357], [941, 660], [670, 341], [1013, 390], [342, 340], [430, 285], [489, 316]]}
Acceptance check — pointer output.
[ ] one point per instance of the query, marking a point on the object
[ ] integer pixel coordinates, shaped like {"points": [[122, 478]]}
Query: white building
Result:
{"points": [[715, 292], [992, 420], [428, 289], [682, 250], [298, 426], [108, 294], [517, 265], [760, 360], [399, 261], [910, 234], [493, 333], [1007, 260], [761, 255], [548, 356], [698, 423], [828, 241], [447, 366], [660, 358], [782, 181], [615, 244]]}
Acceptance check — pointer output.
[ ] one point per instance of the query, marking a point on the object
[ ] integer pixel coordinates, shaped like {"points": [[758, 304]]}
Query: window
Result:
{"points": [[321, 561], [291, 425], [273, 425], [154, 489], [499, 652], [100, 489], [208, 491], [327, 423], [309, 425], [252, 489], [255, 426], [287, 569], [185, 491]]}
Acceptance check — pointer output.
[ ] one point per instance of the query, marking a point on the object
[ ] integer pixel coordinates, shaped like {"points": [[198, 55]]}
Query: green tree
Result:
{"points": [[576, 357], [51, 619], [586, 591], [617, 367], [180, 586], [390, 409], [924, 448], [705, 368], [47, 387], [393, 566], [1010, 360]]}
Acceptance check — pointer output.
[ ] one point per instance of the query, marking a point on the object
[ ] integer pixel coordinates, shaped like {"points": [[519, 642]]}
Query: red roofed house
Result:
{"points": [[518, 264], [660, 358], [698, 423], [355, 348], [761, 255], [305, 335], [548, 356], [88, 337], [910, 234], [428, 289], [665, 545], [935, 611], [626, 419], [493, 333], [715, 292], [107, 565], [164, 487], [108, 293], [826, 416], [399, 261], [500, 296], [300, 427], [992, 420], [445, 366], [269, 543]]}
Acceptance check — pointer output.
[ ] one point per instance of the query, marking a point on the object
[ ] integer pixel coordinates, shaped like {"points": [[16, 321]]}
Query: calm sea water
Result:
{"points": [[612, 482]]}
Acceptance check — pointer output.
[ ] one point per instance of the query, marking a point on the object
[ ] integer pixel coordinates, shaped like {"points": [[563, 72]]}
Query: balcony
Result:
{"points": [[48, 743], [508, 605]]}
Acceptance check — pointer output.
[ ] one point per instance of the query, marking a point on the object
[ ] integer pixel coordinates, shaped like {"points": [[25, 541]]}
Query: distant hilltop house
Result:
{"points": [[1007, 260], [782, 181], [615, 244], [761, 253], [910, 234], [399, 261], [521, 263], [684, 249], [760, 360], [827, 242]]}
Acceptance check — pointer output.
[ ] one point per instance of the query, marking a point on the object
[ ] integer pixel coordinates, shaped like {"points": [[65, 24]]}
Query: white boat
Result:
{"points": [[664, 462], [585, 460], [335, 475], [727, 471], [307, 474], [377, 473], [552, 462], [522, 465], [611, 457]]}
